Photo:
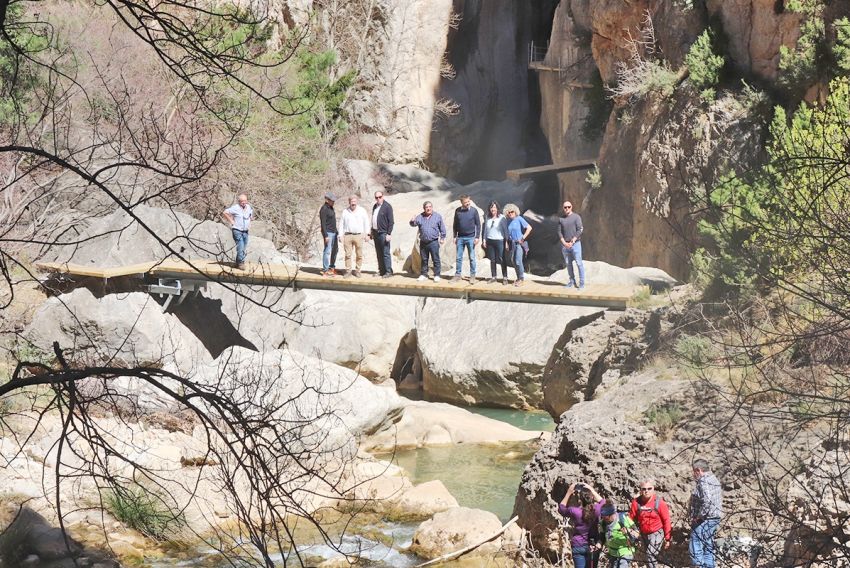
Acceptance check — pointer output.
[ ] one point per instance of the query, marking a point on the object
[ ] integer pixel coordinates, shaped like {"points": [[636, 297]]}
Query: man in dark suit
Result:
{"points": [[382, 229]]}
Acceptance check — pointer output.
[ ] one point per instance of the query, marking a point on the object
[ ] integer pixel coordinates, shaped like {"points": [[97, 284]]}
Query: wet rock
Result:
{"points": [[421, 423]]}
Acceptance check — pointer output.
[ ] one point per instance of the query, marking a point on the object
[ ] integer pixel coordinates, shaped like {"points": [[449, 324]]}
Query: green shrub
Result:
{"points": [[144, 511], [19, 76], [799, 67], [800, 192], [694, 350], [642, 298], [594, 178], [841, 49], [664, 416], [704, 65]]}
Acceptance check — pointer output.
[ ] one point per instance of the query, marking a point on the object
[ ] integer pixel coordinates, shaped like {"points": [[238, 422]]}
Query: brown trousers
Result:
{"points": [[353, 242]]}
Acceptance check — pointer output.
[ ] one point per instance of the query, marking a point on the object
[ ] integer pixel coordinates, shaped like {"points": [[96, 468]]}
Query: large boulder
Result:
{"points": [[593, 353], [483, 353], [454, 529], [118, 329], [608, 442], [423, 423], [338, 404], [119, 240], [358, 331]]}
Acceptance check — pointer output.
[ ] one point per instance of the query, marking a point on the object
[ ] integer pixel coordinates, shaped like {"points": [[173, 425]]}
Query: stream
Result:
{"points": [[479, 476]]}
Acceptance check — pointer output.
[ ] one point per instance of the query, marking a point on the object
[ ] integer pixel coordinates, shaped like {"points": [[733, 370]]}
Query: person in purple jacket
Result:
{"points": [[583, 514]]}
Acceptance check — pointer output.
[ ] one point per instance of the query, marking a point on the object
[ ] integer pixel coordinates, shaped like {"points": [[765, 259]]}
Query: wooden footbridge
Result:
{"points": [[526, 173], [177, 279]]}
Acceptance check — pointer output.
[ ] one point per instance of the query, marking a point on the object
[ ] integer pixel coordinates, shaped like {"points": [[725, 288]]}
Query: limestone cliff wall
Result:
{"points": [[496, 127], [654, 154]]}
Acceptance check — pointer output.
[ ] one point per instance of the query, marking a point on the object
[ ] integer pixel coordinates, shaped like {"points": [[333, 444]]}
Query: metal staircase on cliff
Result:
{"points": [[177, 279]]}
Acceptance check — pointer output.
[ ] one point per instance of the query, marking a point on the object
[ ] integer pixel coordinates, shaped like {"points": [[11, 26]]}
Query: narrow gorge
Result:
{"points": [[702, 142]]}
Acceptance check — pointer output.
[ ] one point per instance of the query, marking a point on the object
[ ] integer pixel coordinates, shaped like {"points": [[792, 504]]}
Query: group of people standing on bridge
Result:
{"points": [[503, 235], [596, 524]]}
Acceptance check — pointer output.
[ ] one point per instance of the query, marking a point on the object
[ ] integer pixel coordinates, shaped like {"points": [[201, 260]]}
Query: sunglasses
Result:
{"points": [[568, 206]]}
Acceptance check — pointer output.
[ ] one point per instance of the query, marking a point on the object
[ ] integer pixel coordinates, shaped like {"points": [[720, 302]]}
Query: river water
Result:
{"points": [[479, 476]]}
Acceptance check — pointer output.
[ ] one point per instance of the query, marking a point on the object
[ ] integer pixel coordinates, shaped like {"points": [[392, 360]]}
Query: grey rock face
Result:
{"points": [[591, 355], [489, 353], [119, 240], [118, 329]]}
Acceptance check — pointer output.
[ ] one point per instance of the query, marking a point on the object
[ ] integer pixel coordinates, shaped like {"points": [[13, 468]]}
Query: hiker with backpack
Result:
{"points": [[652, 516], [584, 516], [618, 533]]}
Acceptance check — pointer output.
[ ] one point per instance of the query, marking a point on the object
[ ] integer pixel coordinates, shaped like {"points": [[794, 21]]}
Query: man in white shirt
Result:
{"points": [[354, 227], [239, 216]]}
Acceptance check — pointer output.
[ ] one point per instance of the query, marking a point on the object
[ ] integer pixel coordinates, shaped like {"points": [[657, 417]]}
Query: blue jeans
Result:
{"points": [[570, 255], [431, 249], [583, 557], [382, 249], [517, 256], [701, 545], [329, 254], [467, 243], [241, 240]]}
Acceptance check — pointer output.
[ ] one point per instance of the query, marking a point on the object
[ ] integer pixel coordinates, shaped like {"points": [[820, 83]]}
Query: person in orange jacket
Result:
{"points": [[651, 514]]}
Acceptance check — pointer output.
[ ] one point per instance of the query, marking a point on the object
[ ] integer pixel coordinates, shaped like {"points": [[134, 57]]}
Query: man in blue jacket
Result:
{"points": [[466, 229], [432, 233]]}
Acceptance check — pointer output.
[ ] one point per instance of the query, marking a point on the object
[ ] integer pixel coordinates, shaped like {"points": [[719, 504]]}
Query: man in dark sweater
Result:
{"points": [[327, 224], [569, 230], [466, 229], [382, 230]]}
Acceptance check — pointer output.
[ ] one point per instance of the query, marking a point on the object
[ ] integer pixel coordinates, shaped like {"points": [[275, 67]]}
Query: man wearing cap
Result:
{"points": [[239, 216], [706, 508], [354, 226], [327, 224], [432, 233], [652, 516], [617, 531], [382, 231]]}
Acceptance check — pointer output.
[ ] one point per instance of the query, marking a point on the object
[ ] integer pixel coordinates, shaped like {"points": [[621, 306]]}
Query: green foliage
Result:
{"points": [[664, 416], [642, 298], [594, 178], [19, 75], [784, 224], [234, 31], [694, 350], [841, 49], [799, 67], [704, 65], [144, 511], [319, 96], [658, 77]]}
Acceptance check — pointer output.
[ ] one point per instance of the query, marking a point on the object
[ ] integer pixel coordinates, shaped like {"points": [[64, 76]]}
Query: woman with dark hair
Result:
{"points": [[494, 232], [583, 514]]}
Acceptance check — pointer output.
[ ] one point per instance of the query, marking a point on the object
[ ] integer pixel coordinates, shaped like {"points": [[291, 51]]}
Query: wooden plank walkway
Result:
{"points": [[525, 173], [282, 275]]}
